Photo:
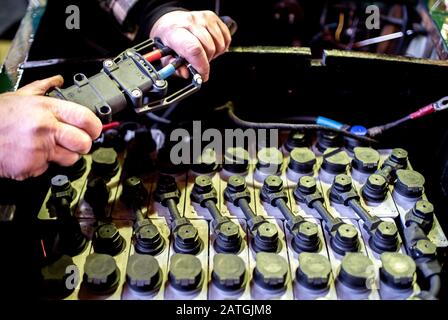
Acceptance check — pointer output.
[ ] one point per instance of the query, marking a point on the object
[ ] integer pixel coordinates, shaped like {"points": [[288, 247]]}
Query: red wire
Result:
{"points": [[111, 125]]}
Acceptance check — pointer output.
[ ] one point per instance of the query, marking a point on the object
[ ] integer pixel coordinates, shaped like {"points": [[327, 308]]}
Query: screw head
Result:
{"points": [[399, 155], [342, 182], [273, 183], [160, 83], [60, 183], [308, 230], [148, 232], [425, 248], [187, 233], [203, 184], [236, 183], [229, 230], [424, 208], [307, 184], [108, 63], [347, 232], [136, 93], [267, 231], [387, 229], [376, 181], [107, 231]]}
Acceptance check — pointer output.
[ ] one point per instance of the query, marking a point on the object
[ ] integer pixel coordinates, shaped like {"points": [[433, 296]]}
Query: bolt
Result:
{"points": [[203, 184], [136, 93], [307, 184], [399, 156], [308, 230], [347, 232], [236, 184], [377, 181], [229, 230], [108, 231], [166, 184], [267, 232], [273, 183], [60, 183], [425, 248], [160, 83], [108, 63], [387, 229], [187, 233], [198, 79], [424, 209], [148, 233], [342, 182]]}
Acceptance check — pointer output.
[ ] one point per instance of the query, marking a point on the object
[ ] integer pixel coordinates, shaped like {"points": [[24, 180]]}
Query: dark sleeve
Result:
{"points": [[131, 14]]}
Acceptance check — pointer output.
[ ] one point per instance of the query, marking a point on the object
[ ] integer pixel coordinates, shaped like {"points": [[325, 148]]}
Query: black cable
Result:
{"points": [[434, 285], [377, 130], [286, 126]]}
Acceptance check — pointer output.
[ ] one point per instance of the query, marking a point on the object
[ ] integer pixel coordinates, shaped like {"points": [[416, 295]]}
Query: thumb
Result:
{"points": [[40, 87]]}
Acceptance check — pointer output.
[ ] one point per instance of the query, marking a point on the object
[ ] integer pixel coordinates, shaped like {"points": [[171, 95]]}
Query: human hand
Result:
{"points": [[36, 130], [198, 36]]}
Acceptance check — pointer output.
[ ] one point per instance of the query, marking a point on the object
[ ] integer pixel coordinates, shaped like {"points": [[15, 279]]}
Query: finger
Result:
{"points": [[183, 72], [218, 38], [72, 138], [76, 115], [225, 32], [206, 40], [63, 156], [190, 48], [40, 87]]}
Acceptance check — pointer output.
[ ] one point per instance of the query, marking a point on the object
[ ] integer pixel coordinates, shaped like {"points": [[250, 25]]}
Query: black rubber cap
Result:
{"points": [[97, 194], [302, 160], [134, 193], [270, 160], [228, 238], [187, 240], [101, 274], [143, 273], [148, 240], [266, 238], [314, 271], [296, 139], [206, 163], [399, 156], [345, 239], [166, 166], [385, 238], [356, 271], [107, 240], [229, 272], [271, 271], [335, 161], [375, 188], [306, 238], [60, 185], [74, 171], [236, 160], [328, 139], [409, 183], [54, 277], [185, 272], [105, 162], [397, 270], [365, 159]]}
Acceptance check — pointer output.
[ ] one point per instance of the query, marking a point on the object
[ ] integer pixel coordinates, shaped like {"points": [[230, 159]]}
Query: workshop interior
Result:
{"points": [[348, 202]]}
